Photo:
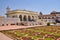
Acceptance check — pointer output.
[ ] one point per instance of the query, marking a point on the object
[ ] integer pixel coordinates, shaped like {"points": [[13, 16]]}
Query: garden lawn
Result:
{"points": [[34, 33]]}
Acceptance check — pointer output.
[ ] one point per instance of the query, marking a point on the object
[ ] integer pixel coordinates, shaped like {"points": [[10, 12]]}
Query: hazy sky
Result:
{"points": [[45, 6]]}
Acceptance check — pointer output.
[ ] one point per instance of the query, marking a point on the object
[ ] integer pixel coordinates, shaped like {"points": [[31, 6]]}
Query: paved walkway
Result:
{"points": [[4, 37], [13, 27]]}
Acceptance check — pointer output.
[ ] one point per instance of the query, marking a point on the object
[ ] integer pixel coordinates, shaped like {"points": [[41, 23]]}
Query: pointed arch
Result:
{"points": [[29, 18], [20, 16], [25, 18]]}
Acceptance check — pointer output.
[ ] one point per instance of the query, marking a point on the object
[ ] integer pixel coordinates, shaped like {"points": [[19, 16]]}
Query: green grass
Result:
{"points": [[17, 33], [49, 39], [48, 32], [40, 30], [57, 34]]}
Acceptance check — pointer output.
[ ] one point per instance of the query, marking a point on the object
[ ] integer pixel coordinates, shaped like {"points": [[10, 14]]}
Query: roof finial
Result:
{"points": [[7, 9]]}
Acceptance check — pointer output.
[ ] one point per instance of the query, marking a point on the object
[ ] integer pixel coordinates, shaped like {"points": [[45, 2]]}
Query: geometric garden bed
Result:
{"points": [[35, 33]]}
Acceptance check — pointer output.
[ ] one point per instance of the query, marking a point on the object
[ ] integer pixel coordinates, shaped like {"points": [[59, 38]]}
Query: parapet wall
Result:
{"points": [[8, 21]]}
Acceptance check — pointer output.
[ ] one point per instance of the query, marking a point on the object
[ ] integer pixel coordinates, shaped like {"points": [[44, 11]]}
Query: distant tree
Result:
{"points": [[41, 13]]}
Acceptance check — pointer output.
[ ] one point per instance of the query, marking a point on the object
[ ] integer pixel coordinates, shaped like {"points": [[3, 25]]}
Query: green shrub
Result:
{"points": [[48, 24]]}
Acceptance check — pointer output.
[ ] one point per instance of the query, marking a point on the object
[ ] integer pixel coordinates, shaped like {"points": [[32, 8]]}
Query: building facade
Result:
{"points": [[28, 18], [20, 17], [51, 18]]}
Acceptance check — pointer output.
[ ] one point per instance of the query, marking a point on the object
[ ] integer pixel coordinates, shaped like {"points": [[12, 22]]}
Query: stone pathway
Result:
{"points": [[13, 27], [4, 37]]}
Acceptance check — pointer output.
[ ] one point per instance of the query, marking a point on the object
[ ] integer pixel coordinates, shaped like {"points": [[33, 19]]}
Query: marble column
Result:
{"points": [[22, 17], [27, 17]]}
